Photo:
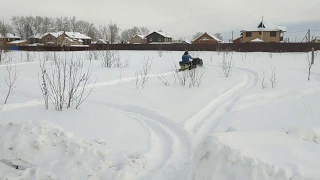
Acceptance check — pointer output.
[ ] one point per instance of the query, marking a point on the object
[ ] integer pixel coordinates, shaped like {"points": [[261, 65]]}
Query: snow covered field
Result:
{"points": [[227, 128]]}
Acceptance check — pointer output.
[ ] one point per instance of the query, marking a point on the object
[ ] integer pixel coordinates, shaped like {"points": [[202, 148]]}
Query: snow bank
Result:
{"points": [[42, 150], [255, 155]]}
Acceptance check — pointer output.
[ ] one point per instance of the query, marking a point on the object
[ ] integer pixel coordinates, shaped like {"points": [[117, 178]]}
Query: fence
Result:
{"points": [[241, 47]]}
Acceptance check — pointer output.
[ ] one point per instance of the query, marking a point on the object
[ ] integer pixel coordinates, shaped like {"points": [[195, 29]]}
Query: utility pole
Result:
{"points": [[232, 36]]}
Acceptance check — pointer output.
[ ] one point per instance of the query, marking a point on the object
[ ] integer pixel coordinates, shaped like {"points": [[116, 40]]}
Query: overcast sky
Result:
{"points": [[176, 17]]}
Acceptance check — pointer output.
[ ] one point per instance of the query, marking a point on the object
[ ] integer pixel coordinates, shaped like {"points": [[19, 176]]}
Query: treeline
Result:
{"points": [[26, 26]]}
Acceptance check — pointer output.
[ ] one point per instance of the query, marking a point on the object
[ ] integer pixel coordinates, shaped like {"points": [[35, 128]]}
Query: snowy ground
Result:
{"points": [[228, 128]]}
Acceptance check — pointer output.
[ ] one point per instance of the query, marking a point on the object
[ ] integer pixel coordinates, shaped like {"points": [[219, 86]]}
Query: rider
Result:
{"points": [[186, 57]]}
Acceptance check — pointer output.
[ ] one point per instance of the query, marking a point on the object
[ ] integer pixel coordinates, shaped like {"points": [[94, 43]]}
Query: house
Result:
{"points": [[238, 40], [158, 37], [138, 39], [8, 37], [35, 39], [102, 41], [51, 39], [18, 43], [265, 31], [76, 36], [71, 42], [206, 38]]}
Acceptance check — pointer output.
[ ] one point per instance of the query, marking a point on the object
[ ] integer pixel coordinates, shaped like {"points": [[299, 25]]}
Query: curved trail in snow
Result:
{"points": [[205, 121], [169, 147]]}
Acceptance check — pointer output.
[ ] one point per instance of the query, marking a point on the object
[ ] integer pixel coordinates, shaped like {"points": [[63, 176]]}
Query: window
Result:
{"points": [[260, 32], [248, 34], [150, 39], [273, 34], [159, 38]]}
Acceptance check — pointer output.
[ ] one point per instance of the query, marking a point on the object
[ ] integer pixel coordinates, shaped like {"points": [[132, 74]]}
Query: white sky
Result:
{"points": [[176, 17]]}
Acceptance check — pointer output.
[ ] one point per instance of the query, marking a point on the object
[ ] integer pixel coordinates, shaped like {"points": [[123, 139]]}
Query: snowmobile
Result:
{"points": [[191, 65]]}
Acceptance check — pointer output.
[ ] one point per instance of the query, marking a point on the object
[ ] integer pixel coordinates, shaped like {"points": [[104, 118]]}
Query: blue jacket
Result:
{"points": [[185, 58]]}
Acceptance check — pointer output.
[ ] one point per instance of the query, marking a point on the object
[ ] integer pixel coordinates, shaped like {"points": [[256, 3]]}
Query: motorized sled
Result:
{"points": [[191, 65]]}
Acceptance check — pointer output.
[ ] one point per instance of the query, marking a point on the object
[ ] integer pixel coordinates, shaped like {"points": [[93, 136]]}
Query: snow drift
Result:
{"points": [[42, 150], [257, 155]]}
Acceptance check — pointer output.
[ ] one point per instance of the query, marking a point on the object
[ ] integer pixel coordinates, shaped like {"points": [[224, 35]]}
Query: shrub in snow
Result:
{"points": [[65, 82], [143, 75], [227, 64]]}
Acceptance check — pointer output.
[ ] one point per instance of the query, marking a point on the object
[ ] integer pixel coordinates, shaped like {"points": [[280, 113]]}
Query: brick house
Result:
{"points": [[265, 31], [138, 39], [206, 38], [8, 37]]}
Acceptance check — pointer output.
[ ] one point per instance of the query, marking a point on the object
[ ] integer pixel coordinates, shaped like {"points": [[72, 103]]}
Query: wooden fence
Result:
{"points": [[241, 47]]}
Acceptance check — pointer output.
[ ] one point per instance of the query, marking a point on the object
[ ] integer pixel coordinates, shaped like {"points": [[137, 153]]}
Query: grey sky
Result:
{"points": [[180, 18]]}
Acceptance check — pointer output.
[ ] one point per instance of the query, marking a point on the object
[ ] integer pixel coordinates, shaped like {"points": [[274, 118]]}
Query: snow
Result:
{"points": [[11, 36], [77, 35], [256, 40], [227, 128], [17, 42]]}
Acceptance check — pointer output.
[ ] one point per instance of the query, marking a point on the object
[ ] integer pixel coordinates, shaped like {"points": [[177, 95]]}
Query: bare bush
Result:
{"points": [[271, 55], [110, 58], [195, 77], [262, 80], [180, 77], [144, 73], [227, 64], [273, 77], [4, 54], [10, 81], [163, 80], [65, 82], [29, 56]]}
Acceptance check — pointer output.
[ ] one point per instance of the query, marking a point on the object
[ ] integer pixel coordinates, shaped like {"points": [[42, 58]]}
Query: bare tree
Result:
{"points": [[109, 32], [273, 77], [144, 30], [65, 82], [10, 81], [4, 54], [263, 76], [219, 36], [198, 34], [227, 64]]}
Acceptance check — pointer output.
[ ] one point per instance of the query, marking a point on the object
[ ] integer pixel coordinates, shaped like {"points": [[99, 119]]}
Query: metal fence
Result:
{"points": [[241, 47]]}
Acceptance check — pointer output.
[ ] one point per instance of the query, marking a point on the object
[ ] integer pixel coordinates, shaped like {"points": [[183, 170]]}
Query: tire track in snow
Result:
{"points": [[169, 147], [204, 122]]}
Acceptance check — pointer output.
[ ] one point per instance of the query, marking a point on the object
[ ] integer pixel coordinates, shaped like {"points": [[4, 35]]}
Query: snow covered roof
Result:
{"points": [[80, 41], [36, 36], [257, 40], [141, 36], [102, 41], [55, 34], [265, 25], [17, 42], [161, 33], [10, 36], [214, 37], [77, 35]]}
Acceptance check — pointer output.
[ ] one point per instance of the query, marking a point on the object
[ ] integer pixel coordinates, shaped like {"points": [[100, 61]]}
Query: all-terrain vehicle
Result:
{"points": [[191, 65]]}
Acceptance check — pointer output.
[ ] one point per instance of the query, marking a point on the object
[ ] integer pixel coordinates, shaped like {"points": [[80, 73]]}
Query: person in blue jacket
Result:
{"points": [[186, 57]]}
